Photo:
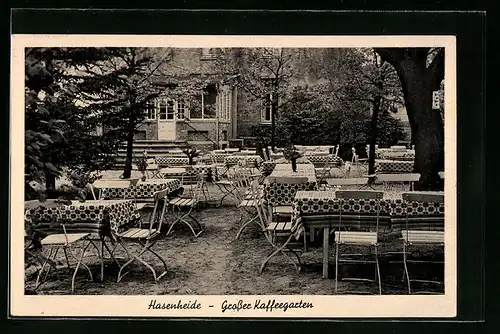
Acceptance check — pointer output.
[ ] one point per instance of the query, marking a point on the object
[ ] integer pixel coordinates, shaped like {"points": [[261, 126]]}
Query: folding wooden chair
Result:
{"points": [[323, 170], [227, 185], [185, 206], [279, 225], [285, 211], [146, 237], [55, 240], [422, 229], [367, 237], [248, 199], [388, 180]]}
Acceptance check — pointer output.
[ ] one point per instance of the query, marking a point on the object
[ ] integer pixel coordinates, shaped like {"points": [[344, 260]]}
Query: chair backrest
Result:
{"points": [[423, 197], [160, 197], [359, 194], [260, 204], [423, 211], [347, 182], [264, 153], [287, 180], [198, 188], [403, 177]]}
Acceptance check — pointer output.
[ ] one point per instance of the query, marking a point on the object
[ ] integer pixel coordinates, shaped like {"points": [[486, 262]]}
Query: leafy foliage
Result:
{"points": [[58, 132]]}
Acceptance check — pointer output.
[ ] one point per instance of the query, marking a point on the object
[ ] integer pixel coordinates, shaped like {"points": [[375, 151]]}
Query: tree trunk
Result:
{"points": [[373, 134], [127, 172], [50, 184], [273, 125], [426, 124], [418, 81]]}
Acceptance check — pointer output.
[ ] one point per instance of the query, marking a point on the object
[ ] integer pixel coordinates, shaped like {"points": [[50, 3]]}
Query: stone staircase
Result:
{"points": [[152, 147]]}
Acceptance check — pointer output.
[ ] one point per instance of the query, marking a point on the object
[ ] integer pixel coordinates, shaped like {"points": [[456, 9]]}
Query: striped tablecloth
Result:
{"points": [[97, 216], [143, 189]]}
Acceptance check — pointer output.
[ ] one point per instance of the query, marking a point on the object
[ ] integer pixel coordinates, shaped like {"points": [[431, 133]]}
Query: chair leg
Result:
{"points": [[336, 265], [66, 256], [132, 259], [276, 251], [78, 266], [244, 226], [406, 267], [161, 259], [378, 271], [100, 255]]}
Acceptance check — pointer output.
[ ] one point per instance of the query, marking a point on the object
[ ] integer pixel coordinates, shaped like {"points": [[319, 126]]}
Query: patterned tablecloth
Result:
{"points": [[252, 160], [171, 161], [407, 155], [394, 166], [101, 216], [431, 214], [311, 203], [392, 211], [143, 189], [321, 160], [283, 194], [219, 157], [191, 170]]}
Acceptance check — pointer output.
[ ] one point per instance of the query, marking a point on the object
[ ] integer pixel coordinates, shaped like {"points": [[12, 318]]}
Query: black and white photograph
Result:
{"points": [[228, 175]]}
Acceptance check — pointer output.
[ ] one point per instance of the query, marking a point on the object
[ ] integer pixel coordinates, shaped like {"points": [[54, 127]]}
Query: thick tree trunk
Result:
{"points": [[373, 134], [426, 124], [127, 172]]}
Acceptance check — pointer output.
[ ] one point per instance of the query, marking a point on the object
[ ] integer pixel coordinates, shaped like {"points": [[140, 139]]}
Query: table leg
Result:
{"points": [[326, 248]]}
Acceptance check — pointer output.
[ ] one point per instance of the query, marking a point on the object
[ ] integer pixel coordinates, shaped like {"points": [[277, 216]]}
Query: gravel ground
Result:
{"points": [[217, 264]]}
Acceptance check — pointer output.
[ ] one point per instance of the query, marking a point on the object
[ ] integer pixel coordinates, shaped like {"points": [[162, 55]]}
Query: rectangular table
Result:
{"points": [[143, 189], [171, 161], [321, 210], [394, 166], [102, 217], [251, 160], [283, 194]]}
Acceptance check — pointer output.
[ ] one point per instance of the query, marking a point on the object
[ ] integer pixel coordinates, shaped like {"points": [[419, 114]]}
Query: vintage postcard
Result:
{"points": [[233, 176]]}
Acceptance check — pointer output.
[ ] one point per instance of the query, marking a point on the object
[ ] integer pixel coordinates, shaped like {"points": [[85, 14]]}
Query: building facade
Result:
{"points": [[225, 111]]}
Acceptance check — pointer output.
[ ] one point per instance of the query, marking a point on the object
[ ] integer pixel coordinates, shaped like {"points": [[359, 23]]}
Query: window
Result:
{"points": [[162, 114], [151, 111], [206, 106], [267, 108], [181, 110]]}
